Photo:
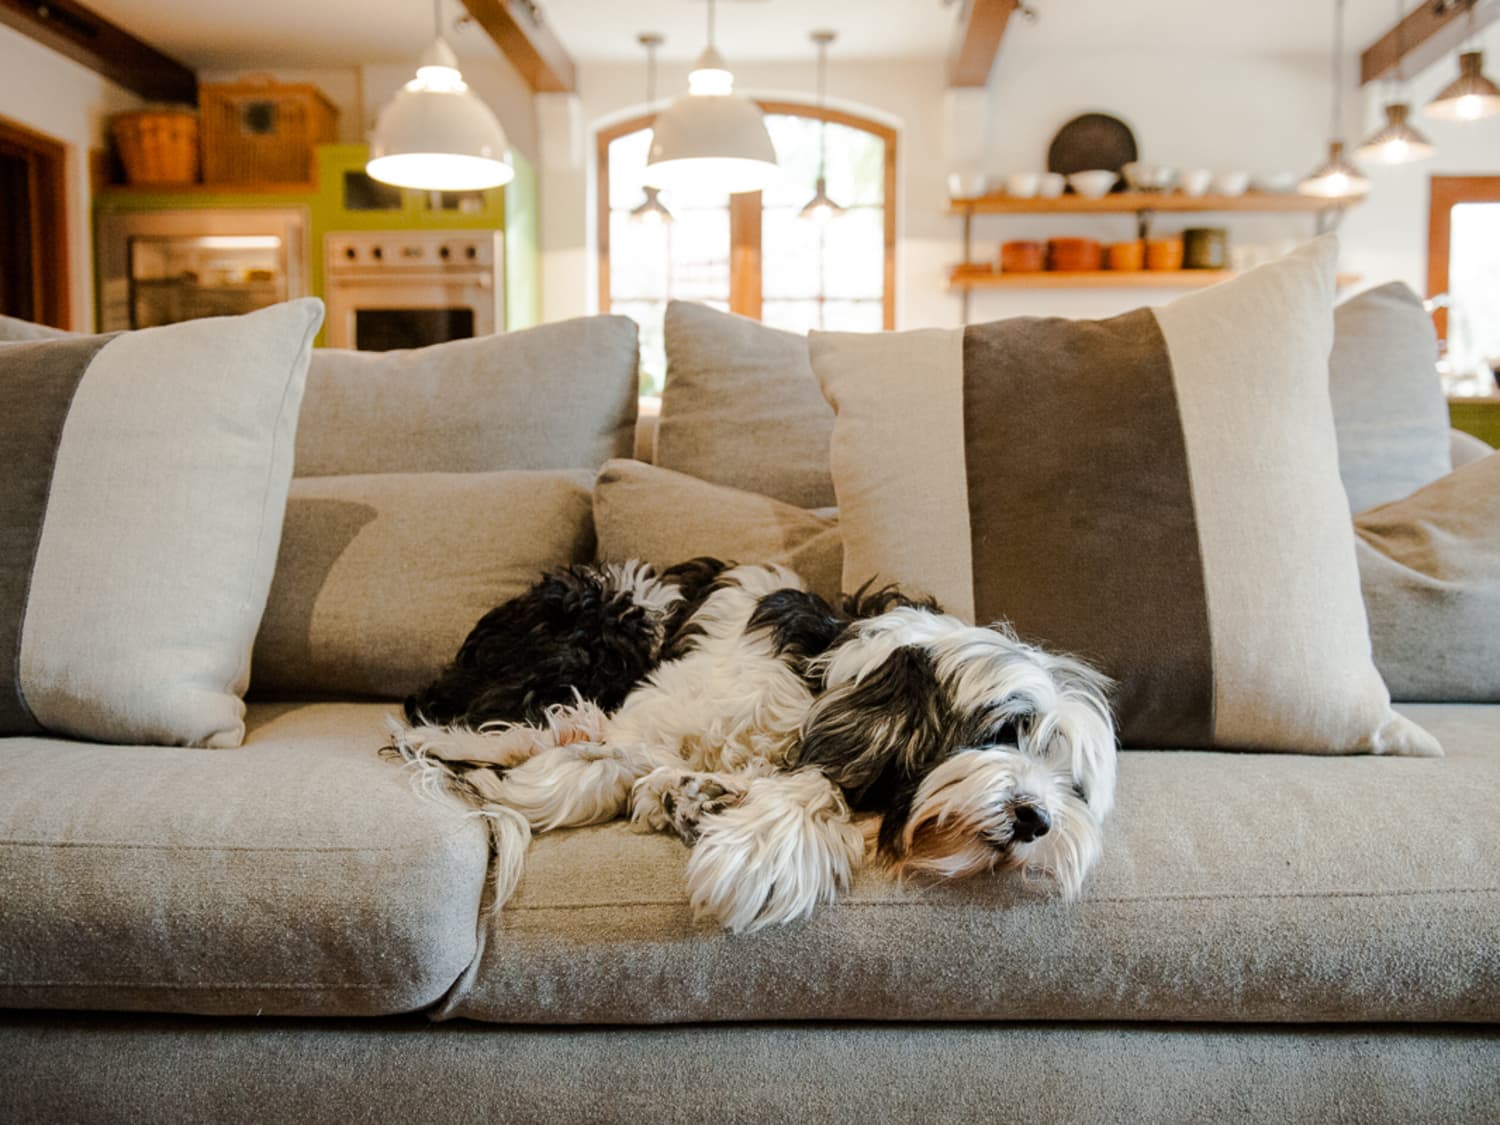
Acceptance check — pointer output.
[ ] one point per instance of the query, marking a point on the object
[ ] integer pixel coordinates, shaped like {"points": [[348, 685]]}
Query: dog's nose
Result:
{"points": [[1030, 822]]}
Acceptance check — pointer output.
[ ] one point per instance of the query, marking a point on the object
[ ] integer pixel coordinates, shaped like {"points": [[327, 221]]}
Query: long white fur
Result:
{"points": [[731, 706]]}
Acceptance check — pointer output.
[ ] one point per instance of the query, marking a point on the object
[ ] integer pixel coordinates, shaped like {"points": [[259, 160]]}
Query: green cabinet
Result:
{"points": [[1477, 416]]}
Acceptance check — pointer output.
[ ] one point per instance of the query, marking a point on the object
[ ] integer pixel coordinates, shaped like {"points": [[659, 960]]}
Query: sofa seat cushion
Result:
{"points": [[1234, 887], [299, 874]]}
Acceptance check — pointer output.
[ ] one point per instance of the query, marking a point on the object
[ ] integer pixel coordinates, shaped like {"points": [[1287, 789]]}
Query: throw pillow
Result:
{"points": [[1430, 567], [140, 513], [643, 512], [559, 396], [1158, 493], [1388, 404], [13, 330], [741, 407], [381, 577]]}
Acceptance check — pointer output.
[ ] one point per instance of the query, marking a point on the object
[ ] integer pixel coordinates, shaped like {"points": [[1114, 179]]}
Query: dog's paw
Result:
{"points": [[676, 801], [787, 847]]}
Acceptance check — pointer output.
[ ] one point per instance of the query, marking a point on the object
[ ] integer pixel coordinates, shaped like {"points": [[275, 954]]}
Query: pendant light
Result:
{"points": [[651, 211], [1336, 178], [1471, 95], [435, 134], [820, 208], [710, 139], [1397, 142]]}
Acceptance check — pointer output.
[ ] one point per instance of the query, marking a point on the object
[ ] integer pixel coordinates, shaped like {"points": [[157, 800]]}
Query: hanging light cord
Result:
{"points": [[822, 106], [1338, 69], [1400, 45], [650, 75], [437, 18], [710, 23]]}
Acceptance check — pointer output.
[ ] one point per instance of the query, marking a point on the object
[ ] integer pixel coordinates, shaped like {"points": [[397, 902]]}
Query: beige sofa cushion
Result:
{"points": [[1233, 888], [381, 577], [643, 512], [741, 407], [300, 875], [558, 396]]}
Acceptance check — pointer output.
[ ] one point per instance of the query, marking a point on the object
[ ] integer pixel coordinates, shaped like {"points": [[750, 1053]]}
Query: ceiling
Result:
{"points": [[227, 34]]}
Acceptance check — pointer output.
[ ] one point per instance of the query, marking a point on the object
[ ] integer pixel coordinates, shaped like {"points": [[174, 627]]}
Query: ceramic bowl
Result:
{"points": [[1094, 184], [1051, 185], [1022, 185], [1196, 181], [967, 185], [1231, 183], [1149, 177], [1277, 182]]}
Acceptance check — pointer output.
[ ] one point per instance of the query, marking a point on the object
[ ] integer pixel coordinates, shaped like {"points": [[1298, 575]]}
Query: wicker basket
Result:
{"points": [[157, 146], [258, 130]]}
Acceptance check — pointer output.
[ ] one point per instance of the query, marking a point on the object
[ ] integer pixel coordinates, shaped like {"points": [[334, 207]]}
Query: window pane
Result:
{"points": [[639, 258], [648, 316], [700, 255], [791, 254], [627, 162], [854, 254], [1474, 285], [856, 167], [793, 316], [853, 316], [796, 141]]}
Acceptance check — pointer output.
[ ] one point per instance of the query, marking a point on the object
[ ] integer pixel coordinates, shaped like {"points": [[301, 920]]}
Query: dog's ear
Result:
{"points": [[871, 734]]}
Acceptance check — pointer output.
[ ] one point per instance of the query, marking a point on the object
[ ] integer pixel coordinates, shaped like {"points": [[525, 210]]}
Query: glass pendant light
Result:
{"points": [[1397, 142], [650, 211], [820, 207], [711, 139], [1336, 178], [435, 134]]}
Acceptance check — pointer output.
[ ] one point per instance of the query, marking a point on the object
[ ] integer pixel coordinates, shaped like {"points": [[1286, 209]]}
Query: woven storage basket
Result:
{"points": [[157, 146], [258, 130]]}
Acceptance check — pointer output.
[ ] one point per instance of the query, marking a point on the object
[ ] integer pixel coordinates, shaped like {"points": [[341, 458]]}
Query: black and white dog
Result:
{"points": [[731, 707]]}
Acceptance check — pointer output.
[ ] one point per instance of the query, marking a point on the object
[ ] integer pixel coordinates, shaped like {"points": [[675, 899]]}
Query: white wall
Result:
{"points": [[50, 94]]}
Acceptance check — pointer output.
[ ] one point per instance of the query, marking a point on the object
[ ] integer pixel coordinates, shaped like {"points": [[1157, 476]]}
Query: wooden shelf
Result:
{"points": [[207, 189], [962, 280], [1134, 202]]}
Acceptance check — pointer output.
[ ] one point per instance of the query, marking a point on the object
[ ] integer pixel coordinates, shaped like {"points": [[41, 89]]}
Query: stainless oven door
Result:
{"points": [[410, 311]]}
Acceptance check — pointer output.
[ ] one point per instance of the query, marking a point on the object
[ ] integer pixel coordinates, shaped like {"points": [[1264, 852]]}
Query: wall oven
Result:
{"points": [[410, 289], [162, 267]]}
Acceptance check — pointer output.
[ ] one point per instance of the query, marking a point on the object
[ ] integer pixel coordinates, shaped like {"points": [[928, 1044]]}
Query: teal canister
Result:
{"points": [[1205, 248]]}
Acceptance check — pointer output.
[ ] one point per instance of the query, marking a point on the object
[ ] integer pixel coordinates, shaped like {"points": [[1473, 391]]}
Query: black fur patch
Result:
{"points": [[695, 579], [802, 626]]}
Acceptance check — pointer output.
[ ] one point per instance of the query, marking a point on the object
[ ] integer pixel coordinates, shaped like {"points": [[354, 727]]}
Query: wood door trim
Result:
{"points": [[47, 161], [1444, 193]]}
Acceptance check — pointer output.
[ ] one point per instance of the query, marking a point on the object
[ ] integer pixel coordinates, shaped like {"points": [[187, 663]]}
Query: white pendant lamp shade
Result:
{"points": [[1468, 97], [1335, 178], [710, 139], [1396, 142], [436, 135]]}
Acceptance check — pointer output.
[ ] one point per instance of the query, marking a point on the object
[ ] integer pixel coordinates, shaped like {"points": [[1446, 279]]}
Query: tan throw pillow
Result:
{"points": [[1388, 404], [381, 577], [1430, 567], [642, 512], [140, 511], [741, 407], [559, 396], [1158, 493]]}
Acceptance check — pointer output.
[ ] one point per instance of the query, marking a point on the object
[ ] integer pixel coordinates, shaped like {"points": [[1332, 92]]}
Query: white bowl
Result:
{"points": [[1277, 182], [1149, 177], [1195, 181], [1094, 184], [1022, 185], [1051, 185], [967, 185], [1231, 183]]}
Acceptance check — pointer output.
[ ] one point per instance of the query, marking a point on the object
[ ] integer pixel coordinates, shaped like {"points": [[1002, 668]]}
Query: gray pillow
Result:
{"points": [[1388, 405], [558, 396], [1429, 565], [741, 407], [380, 578], [14, 331], [644, 512]]}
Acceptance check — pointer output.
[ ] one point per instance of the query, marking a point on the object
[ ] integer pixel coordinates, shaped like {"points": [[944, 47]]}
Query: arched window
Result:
{"points": [[752, 253]]}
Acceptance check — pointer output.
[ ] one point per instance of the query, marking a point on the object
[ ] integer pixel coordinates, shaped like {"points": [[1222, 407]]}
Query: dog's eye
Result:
{"points": [[1081, 793]]}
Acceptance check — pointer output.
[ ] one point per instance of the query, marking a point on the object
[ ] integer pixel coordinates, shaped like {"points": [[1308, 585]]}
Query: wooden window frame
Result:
{"points": [[745, 211], [1444, 193], [47, 165]]}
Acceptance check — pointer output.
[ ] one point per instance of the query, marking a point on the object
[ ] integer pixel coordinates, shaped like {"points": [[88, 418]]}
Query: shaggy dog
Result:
{"points": [[754, 720]]}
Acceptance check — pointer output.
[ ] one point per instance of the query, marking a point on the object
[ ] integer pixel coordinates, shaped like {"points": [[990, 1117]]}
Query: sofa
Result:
{"points": [[288, 930]]}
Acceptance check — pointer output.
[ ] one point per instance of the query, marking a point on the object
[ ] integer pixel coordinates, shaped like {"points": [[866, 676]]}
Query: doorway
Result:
{"points": [[33, 227]]}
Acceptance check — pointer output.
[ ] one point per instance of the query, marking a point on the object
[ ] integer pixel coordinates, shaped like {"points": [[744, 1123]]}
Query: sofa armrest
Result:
{"points": [[1467, 448]]}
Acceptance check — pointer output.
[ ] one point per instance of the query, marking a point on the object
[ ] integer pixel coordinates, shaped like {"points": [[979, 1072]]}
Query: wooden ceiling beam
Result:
{"points": [[105, 48], [520, 31], [1430, 31], [981, 26]]}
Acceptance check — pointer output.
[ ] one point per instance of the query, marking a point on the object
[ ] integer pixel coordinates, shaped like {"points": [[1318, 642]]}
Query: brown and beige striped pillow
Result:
{"points": [[1158, 493]]}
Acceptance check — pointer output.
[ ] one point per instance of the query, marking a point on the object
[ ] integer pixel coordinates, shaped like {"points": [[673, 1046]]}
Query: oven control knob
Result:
{"points": [[471, 252], [350, 253], [444, 253], [377, 253]]}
